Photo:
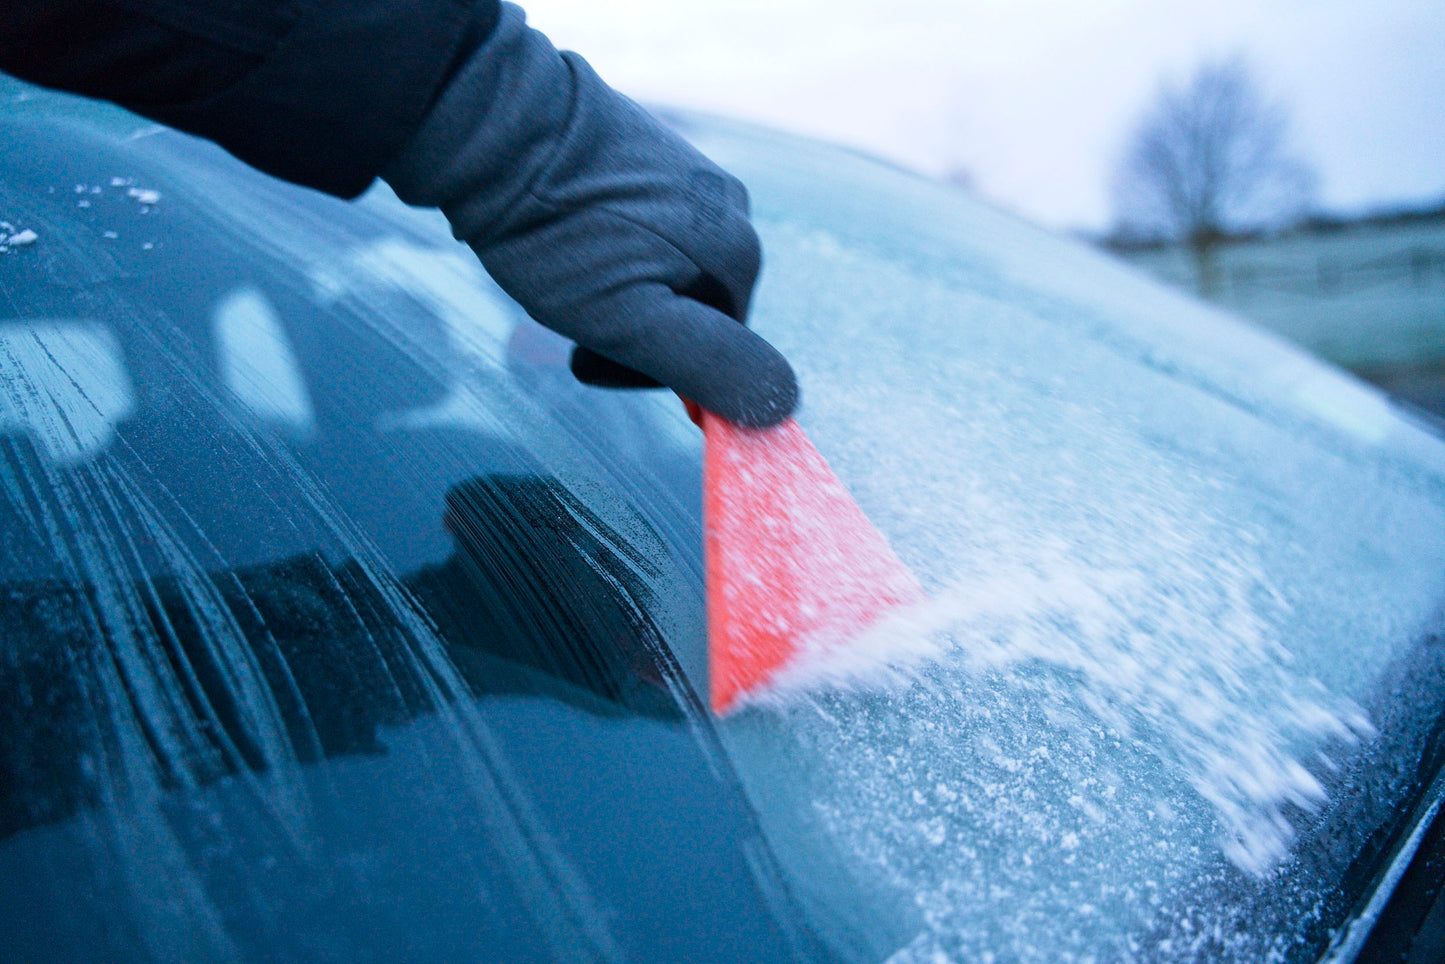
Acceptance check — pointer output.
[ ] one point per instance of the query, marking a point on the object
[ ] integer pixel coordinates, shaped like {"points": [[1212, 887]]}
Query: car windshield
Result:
{"points": [[341, 622]]}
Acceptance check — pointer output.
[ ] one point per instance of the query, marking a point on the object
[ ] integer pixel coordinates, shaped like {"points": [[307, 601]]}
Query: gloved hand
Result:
{"points": [[604, 225]]}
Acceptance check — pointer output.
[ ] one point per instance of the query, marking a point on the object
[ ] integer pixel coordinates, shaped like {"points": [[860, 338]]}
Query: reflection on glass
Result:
{"points": [[257, 362], [539, 579]]}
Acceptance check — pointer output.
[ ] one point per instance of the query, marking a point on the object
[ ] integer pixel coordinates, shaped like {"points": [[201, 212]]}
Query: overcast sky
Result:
{"points": [[1034, 98]]}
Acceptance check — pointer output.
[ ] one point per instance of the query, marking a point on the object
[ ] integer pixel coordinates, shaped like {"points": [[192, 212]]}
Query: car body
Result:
{"points": [[340, 622]]}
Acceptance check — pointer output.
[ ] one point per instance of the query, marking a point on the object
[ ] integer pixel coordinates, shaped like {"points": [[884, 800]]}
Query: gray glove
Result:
{"points": [[604, 225]]}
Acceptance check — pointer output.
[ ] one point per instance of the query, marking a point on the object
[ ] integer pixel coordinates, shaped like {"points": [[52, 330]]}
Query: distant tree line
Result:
{"points": [[1207, 161]]}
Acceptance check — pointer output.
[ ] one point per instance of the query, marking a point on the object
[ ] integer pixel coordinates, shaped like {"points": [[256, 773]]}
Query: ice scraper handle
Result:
{"points": [[603, 224]]}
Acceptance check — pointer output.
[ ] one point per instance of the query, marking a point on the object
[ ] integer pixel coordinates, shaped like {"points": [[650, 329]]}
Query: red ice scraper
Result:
{"points": [[794, 568]]}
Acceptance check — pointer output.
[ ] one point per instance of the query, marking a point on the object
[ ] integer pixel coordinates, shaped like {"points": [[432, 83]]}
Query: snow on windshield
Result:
{"points": [[1167, 558]]}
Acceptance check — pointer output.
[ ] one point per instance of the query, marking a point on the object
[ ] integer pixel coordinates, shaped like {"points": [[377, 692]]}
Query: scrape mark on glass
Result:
{"points": [[63, 383]]}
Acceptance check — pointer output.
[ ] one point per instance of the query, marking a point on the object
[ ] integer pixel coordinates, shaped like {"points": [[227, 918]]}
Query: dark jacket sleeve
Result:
{"points": [[319, 92]]}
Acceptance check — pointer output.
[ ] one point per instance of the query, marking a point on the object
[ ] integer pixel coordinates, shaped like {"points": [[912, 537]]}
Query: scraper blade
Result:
{"points": [[794, 568]]}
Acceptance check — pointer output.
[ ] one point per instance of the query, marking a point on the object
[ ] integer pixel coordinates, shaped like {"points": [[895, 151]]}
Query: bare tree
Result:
{"points": [[1206, 161]]}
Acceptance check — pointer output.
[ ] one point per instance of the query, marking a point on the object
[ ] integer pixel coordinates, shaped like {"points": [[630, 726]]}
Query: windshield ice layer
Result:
{"points": [[333, 603], [1169, 560]]}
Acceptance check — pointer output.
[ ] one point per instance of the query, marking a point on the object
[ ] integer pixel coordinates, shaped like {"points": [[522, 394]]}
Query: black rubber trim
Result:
{"points": [[1411, 928]]}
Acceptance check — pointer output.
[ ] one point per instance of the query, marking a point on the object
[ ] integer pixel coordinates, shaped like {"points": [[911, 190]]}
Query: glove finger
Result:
{"points": [[695, 350], [591, 368], [717, 295], [728, 251]]}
